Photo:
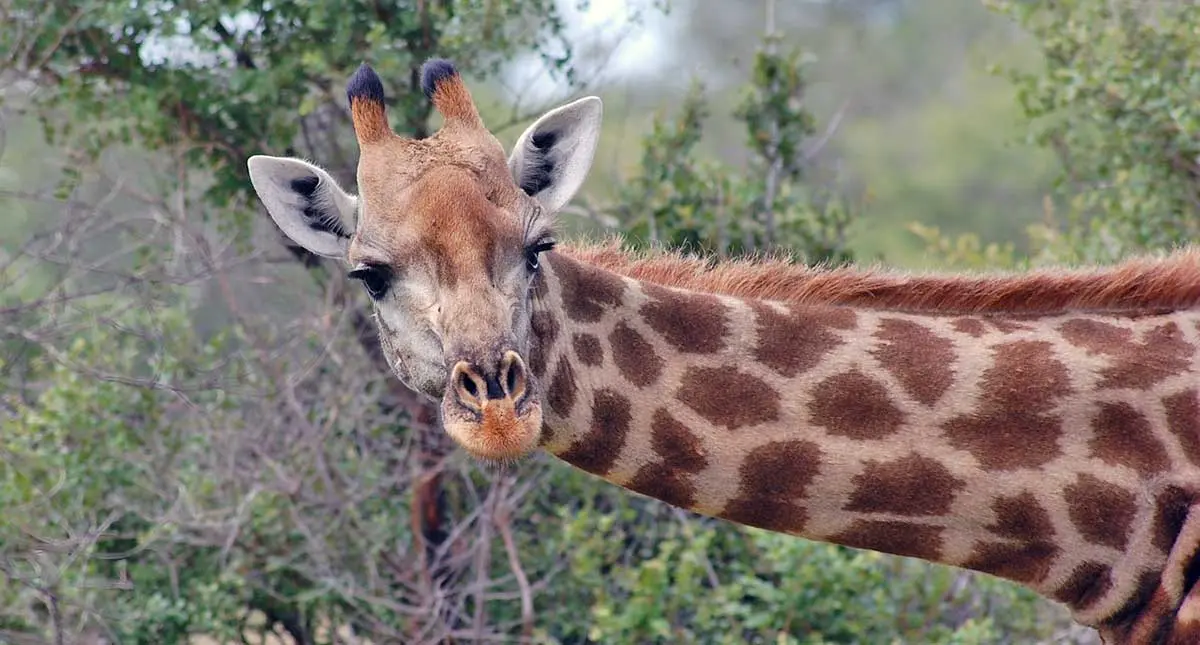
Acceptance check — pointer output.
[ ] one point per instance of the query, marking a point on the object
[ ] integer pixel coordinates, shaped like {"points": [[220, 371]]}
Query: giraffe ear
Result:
{"points": [[553, 156], [306, 203]]}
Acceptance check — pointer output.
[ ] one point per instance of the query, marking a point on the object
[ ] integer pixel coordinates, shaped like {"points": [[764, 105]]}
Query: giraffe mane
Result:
{"points": [[1163, 283]]}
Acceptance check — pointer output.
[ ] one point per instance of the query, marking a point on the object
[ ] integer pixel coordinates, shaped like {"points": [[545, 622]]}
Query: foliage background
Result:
{"points": [[198, 441]]}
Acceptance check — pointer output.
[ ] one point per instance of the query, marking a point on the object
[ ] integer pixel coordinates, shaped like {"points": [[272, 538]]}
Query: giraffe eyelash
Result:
{"points": [[535, 228]]}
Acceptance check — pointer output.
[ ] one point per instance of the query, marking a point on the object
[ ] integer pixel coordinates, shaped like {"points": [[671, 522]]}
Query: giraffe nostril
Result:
{"points": [[512, 370], [467, 387]]}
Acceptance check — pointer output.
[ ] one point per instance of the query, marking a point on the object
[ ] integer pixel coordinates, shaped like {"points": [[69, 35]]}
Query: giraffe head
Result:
{"points": [[445, 234]]}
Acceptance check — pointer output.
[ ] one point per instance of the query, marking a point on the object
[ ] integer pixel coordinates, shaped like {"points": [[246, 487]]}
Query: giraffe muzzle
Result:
{"points": [[489, 409]]}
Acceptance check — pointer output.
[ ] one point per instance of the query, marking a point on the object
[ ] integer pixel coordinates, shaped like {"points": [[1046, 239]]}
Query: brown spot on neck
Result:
{"points": [[1146, 620], [1137, 603], [597, 451], [774, 478], [587, 292], [897, 538], [634, 355], [921, 360], [1021, 517], [1183, 419], [669, 485], [1088, 583], [856, 406], [1171, 508], [692, 323], [682, 453], [1027, 558], [588, 349], [1102, 512], [544, 330], [1137, 365], [910, 485], [1122, 436], [563, 389], [970, 326], [729, 397], [676, 444], [1023, 562], [1013, 425], [794, 342]]}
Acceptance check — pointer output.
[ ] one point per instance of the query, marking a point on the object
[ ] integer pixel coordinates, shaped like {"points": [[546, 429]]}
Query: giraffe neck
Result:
{"points": [[1060, 451]]}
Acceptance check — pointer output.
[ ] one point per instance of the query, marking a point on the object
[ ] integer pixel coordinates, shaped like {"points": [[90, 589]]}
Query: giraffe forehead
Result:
{"points": [[443, 217]]}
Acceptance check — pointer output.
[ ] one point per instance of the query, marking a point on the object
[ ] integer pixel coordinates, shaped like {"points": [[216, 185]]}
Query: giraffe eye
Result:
{"points": [[533, 250], [375, 278]]}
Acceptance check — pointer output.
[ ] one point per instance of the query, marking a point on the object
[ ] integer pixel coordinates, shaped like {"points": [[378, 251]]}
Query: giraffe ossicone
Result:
{"points": [[1043, 427]]}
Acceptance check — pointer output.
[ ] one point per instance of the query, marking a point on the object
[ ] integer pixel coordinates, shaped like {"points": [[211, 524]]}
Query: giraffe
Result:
{"points": [[1043, 427]]}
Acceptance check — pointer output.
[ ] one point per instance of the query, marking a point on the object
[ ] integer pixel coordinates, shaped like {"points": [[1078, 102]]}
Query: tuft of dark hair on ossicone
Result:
{"points": [[434, 71]]}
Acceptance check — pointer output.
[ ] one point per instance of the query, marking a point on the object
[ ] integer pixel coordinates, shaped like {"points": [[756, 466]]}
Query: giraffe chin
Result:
{"points": [[499, 433]]}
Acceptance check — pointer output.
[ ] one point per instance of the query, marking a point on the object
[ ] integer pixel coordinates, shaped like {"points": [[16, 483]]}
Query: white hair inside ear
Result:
{"points": [[551, 159], [305, 202]]}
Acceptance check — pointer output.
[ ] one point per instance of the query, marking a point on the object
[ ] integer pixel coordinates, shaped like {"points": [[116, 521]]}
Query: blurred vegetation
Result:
{"points": [[198, 437]]}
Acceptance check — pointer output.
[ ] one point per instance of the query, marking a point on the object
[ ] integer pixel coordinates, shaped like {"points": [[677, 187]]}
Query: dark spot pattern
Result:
{"points": [[682, 454], [1024, 562], [563, 390], [1138, 603], [676, 444], [1013, 425], [547, 435], [1008, 326], [895, 537], [856, 406], [635, 356], [588, 349], [692, 323], [597, 451], [1171, 507], [1151, 622], [1102, 512], [544, 330], [921, 360], [1191, 571], [774, 478], [910, 485], [1185, 633], [587, 292], [970, 326], [1087, 584], [1136, 365], [1123, 436], [729, 397], [669, 485], [1021, 517], [1183, 419], [795, 342]]}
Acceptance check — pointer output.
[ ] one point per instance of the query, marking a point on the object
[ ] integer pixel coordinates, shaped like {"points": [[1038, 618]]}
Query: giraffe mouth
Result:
{"points": [[500, 431]]}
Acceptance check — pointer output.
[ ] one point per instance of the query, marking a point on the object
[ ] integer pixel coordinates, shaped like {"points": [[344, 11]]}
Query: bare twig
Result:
{"points": [[814, 148], [503, 520]]}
